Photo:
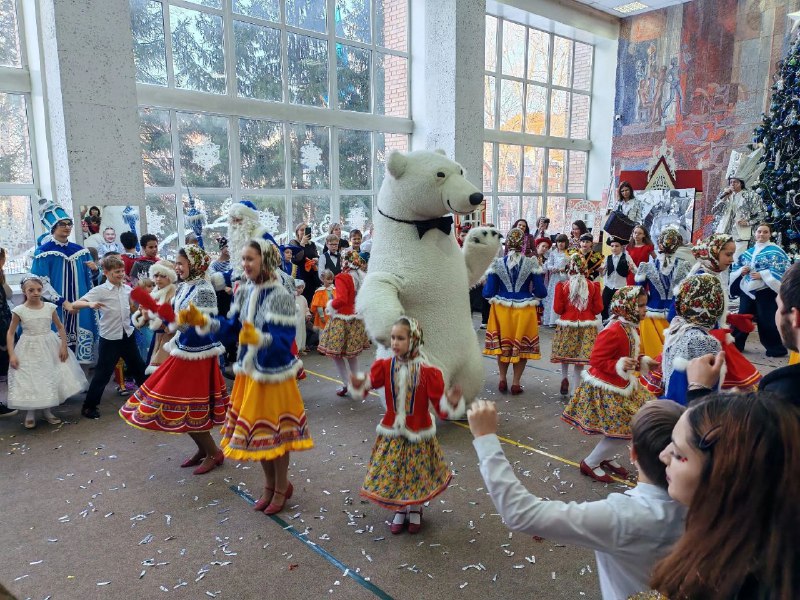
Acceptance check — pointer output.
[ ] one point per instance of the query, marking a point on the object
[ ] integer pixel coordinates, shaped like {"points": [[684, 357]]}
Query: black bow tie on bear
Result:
{"points": [[443, 224]]}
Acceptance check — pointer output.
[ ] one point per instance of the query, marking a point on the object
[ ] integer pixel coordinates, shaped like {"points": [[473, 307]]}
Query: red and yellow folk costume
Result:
{"points": [[578, 302], [344, 335]]}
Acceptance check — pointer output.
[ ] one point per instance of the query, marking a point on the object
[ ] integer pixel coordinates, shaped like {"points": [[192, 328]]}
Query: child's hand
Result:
{"points": [[92, 265], [63, 353], [13, 361], [67, 306], [628, 364], [482, 417], [453, 395]]}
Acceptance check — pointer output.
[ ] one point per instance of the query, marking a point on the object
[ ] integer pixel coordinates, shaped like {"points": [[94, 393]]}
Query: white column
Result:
{"points": [[447, 66], [90, 80]]}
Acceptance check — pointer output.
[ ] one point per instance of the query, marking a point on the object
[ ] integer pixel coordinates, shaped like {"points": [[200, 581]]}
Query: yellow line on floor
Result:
{"points": [[566, 461]]}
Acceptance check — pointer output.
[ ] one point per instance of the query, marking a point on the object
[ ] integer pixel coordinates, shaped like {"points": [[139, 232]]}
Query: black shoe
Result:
{"points": [[7, 412], [90, 412]]}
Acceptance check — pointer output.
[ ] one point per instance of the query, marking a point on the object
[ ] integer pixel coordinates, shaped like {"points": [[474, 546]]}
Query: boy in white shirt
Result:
{"points": [[629, 532], [113, 300]]}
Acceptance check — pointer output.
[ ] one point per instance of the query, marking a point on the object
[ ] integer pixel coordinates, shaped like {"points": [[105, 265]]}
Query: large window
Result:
{"points": [[18, 189], [291, 104], [537, 103]]}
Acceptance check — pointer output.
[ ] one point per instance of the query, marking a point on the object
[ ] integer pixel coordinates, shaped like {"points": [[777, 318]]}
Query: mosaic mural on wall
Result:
{"points": [[697, 75]]}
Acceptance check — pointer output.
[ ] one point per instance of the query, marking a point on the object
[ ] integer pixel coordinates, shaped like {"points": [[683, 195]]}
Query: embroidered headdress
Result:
{"points": [[625, 303], [352, 260], [578, 284], [199, 261], [700, 300], [707, 251], [414, 337], [669, 240], [515, 239]]}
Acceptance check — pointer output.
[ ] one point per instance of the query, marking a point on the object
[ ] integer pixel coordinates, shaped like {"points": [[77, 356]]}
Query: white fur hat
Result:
{"points": [[299, 283], [164, 267], [245, 210]]}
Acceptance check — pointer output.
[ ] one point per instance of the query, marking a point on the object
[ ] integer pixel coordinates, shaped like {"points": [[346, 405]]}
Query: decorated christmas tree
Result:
{"points": [[779, 132]]}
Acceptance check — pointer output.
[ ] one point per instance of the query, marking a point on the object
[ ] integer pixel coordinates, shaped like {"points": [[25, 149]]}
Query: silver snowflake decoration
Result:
{"points": [[269, 220], [357, 218], [155, 222], [310, 156], [206, 155]]}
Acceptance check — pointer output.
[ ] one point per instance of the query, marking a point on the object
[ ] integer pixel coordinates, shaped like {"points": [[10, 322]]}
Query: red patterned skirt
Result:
{"points": [[182, 396]]}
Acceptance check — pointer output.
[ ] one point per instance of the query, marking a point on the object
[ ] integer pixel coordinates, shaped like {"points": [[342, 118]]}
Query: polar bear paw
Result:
{"points": [[480, 248]]}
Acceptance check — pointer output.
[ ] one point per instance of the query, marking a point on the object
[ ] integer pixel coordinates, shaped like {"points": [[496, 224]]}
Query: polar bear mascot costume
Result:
{"points": [[417, 269]]}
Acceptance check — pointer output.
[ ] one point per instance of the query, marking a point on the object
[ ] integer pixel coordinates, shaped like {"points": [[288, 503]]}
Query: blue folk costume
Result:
{"points": [[757, 296], [266, 417], [514, 287], [670, 267], [69, 277]]}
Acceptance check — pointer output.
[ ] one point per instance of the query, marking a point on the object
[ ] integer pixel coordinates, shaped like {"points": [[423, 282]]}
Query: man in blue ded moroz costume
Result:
{"points": [[68, 268]]}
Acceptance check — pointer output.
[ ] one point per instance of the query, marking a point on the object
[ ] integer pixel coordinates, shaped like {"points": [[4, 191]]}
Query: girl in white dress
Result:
{"points": [[303, 315], [44, 372], [556, 267]]}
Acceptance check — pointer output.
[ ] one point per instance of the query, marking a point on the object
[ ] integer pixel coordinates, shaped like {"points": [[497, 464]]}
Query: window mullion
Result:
{"points": [[168, 45], [228, 45]]}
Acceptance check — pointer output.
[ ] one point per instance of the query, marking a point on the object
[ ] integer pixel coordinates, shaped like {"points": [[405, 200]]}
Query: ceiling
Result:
{"points": [[607, 6]]}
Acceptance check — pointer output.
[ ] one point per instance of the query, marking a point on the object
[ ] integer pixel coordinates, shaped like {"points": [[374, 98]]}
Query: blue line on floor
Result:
{"points": [[346, 571]]}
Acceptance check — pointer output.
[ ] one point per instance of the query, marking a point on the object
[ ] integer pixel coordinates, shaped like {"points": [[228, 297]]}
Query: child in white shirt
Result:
{"points": [[303, 315], [629, 532]]}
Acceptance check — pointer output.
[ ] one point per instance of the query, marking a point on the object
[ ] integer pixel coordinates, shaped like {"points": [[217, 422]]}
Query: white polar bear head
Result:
{"points": [[426, 185]]}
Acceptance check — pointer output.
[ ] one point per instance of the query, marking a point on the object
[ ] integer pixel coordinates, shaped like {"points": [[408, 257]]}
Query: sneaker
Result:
{"points": [[90, 412], [7, 412], [483, 325]]}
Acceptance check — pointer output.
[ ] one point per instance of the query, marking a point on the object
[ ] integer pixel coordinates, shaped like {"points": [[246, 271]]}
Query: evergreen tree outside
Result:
{"points": [[779, 132]]}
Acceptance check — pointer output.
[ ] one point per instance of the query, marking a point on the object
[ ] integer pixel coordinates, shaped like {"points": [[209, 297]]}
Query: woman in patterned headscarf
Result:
{"points": [[578, 302], [514, 287], [406, 468], [669, 268], [699, 305], [344, 336], [715, 257], [610, 394], [187, 393]]}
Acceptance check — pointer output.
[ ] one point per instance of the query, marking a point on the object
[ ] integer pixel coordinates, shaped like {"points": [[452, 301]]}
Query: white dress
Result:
{"points": [[301, 310], [554, 265], [42, 380]]}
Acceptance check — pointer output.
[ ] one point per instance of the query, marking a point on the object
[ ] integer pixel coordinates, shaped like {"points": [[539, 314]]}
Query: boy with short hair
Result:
{"points": [[113, 300], [129, 241], [629, 532], [355, 240], [141, 265], [617, 267], [331, 260]]}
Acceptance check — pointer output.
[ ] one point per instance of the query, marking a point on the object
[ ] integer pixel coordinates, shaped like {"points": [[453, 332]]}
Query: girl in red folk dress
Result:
{"points": [[578, 302], [640, 249], [187, 393], [344, 336], [406, 468], [610, 394]]}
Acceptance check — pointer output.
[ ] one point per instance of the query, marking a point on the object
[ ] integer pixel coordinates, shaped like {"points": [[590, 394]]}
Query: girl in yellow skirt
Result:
{"points": [[578, 302], [344, 336], [406, 468], [671, 266], [610, 394], [266, 419], [514, 288]]}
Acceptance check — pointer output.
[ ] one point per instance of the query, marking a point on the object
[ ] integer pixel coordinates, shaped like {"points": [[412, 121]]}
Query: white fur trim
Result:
{"points": [[402, 431], [564, 323], [203, 329], [151, 369], [646, 364], [72, 258], [729, 338], [290, 373], [211, 352], [591, 379], [243, 212], [336, 315], [281, 320], [679, 363], [514, 303], [359, 392], [138, 319], [162, 269], [452, 413], [155, 322], [217, 281], [620, 371]]}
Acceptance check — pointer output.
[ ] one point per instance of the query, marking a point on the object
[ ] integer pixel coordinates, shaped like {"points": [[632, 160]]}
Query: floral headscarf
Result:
{"points": [[625, 303], [707, 251], [515, 240], [199, 262], [700, 300], [578, 284], [669, 240], [414, 337]]}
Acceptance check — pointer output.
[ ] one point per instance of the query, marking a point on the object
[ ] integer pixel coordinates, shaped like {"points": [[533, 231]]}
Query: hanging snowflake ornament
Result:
{"points": [[357, 218], [155, 222], [310, 156], [270, 221], [206, 155]]}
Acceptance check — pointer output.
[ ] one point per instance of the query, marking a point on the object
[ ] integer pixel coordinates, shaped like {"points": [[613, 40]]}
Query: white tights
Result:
{"points": [[607, 449], [341, 367], [576, 376]]}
